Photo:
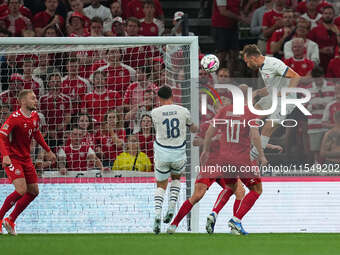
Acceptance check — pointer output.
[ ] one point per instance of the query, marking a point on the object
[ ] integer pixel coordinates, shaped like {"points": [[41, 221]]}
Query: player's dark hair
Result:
{"points": [[165, 92], [317, 71], [24, 93], [251, 50], [54, 73]]}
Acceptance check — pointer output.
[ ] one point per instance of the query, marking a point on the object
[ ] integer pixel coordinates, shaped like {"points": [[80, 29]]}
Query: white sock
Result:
{"points": [[264, 142], [174, 192], [159, 197]]}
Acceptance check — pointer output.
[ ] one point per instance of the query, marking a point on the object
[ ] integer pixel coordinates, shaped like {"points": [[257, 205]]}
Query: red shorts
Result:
{"points": [[21, 169], [210, 181]]}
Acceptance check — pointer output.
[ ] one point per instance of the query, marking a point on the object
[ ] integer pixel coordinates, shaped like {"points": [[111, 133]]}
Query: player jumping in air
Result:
{"points": [[15, 140], [235, 143], [274, 73], [170, 122]]}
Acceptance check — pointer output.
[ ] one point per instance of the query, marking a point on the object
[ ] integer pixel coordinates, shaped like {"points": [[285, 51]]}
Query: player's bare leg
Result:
{"points": [[199, 191], [175, 188], [159, 197], [246, 204]]}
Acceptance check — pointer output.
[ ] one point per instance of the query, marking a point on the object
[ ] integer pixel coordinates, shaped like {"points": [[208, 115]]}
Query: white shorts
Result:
{"points": [[163, 170], [266, 103]]}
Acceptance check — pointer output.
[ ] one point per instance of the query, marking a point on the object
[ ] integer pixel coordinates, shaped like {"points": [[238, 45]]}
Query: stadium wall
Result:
{"points": [[125, 205]]}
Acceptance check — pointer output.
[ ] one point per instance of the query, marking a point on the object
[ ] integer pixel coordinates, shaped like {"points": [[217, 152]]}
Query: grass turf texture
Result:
{"points": [[177, 244]]}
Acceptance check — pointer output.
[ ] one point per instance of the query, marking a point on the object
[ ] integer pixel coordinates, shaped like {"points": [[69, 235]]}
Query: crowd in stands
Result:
{"points": [[95, 105]]}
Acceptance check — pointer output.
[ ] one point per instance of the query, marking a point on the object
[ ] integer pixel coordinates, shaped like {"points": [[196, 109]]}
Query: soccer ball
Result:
{"points": [[210, 63]]}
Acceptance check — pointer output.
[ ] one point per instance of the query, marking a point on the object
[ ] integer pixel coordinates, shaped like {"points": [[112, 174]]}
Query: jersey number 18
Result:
{"points": [[172, 127]]}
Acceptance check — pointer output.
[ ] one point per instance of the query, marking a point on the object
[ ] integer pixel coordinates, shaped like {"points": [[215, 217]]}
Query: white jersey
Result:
{"points": [[273, 72], [170, 122]]}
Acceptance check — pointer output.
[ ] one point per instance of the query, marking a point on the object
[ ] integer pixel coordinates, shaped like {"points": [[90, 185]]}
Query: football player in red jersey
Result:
{"points": [[15, 139], [238, 132]]}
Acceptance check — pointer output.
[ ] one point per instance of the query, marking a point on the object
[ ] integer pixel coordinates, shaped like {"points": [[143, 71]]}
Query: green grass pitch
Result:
{"points": [[177, 244]]}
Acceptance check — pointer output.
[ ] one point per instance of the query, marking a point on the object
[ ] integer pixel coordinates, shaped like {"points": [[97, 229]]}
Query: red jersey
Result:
{"points": [[333, 70], [146, 144], [17, 24], [97, 104], [137, 56], [330, 110], [135, 9], [276, 36], [218, 20], [302, 6], [76, 158], [35, 84], [215, 143], [19, 129], [148, 29], [117, 79], [301, 66], [76, 89], [88, 140], [109, 149], [323, 38], [9, 97], [55, 108], [23, 10], [42, 19], [235, 140], [337, 22], [270, 18]]}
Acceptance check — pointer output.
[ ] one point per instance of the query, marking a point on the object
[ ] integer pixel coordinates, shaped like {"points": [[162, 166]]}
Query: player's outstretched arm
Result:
{"points": [[294, 78], [256, 141], [4, 145], [194, 128], [41, 141]]}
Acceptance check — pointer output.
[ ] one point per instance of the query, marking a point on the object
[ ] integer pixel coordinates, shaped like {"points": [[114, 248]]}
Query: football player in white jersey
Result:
{"points": [[275, 74], [170, 122]]}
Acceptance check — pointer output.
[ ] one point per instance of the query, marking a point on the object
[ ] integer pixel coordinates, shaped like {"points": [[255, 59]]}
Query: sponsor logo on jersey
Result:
{"points": [[5, 127]]}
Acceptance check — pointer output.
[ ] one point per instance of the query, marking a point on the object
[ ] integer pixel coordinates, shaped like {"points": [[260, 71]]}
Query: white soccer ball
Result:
{"points": [[210, 63]]}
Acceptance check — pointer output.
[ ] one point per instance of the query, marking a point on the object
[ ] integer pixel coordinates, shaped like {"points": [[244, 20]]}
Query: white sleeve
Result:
{"points": [[314, 54], [220, 3], [61, 153], [107, 27], [188, 117], [287, 50], [160, 26], [90, 152], [325, 116], [279, 67]]}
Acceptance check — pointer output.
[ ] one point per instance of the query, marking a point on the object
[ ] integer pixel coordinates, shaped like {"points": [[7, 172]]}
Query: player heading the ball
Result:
{"points": [[170, 122]]}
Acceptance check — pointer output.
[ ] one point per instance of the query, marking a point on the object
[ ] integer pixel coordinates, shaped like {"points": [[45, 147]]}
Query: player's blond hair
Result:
{"points": [[24, 93]]}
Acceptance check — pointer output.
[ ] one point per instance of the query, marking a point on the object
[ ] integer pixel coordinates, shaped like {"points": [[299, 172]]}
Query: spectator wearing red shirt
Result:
{"points": [[118, 74], [77, 6], [28, 81], [225, 18], [328, 120], [74, 86], [41, 71], [4, 10], [77, 156], [10, 96], [326, 35], [5, 112], [273, 20], [320, 5], [146, 136], [55, 106], [84, 122], [17, 23], [48, 17], [157, 68], [333, 70], [150, 26], [312, 14], [98, 102], [135, 9], [77, 26], [110, 139], [282, 35], [311, 49], [116, 12], [96, 27]]}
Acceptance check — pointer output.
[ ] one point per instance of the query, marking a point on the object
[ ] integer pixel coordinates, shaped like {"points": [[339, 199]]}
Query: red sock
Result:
{"points": [[246, 204], [185, 209], [9, 202], [236, 206], [21, 205], [222, 199]]}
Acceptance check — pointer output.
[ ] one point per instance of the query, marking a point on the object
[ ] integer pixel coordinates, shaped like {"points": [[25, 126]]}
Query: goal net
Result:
{"points": [[95, 98]]}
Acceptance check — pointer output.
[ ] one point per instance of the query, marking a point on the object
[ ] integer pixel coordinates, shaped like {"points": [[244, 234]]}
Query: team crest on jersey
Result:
{"points": [[81, 154], [25, 125], [17, 172], [5, 127], [304, 66]]}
